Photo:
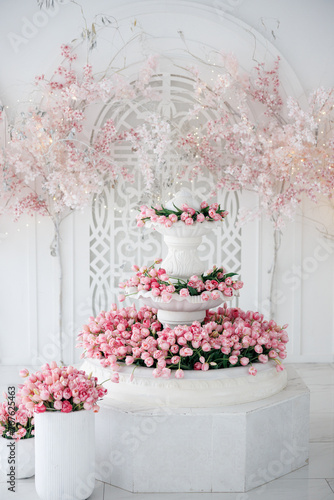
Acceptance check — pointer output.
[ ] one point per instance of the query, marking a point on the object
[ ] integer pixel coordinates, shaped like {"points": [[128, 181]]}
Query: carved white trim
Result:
{"points": [[197, 389]]}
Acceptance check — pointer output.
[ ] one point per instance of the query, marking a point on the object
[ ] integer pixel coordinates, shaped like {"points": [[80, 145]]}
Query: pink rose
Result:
{"points": [[228, 292], [121, 297], [168, 223], [204, 204], [129, 360], [263, 358], [228, 281], [258, 348], [215, 295], [205, 296], [156, 372], [164, 277], [200, 218], [272, 354], [198, 366], [175, 360], [244, 361], [205, 367], [189, 221]]}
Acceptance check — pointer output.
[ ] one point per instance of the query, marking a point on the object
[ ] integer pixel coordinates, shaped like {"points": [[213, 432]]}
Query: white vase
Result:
{"points": [[65, 455], [181, 310], [17, 457], [182, 260]]}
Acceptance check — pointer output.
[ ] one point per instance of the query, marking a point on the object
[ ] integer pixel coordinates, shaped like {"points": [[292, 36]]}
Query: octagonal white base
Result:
{"points": [[230, 449]]}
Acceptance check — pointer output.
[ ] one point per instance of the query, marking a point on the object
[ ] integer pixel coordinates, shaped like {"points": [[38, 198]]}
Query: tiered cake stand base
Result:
{"points": [[233, 448]]}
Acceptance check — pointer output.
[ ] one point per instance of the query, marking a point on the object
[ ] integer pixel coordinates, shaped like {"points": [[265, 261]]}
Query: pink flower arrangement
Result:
{"points": [[161, 215], [213, 284], [15, 423], [228, 337], [59, 388]]}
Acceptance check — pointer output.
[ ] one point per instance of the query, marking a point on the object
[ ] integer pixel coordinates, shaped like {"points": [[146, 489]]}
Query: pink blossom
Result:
{"points": [[244, 361], [263, 358], [233, 360], [166, 297], [179, 373], [215, 295], [115, 377], [24, 373], [205, 296], [252, 370], [189, 221], [66, 407]]}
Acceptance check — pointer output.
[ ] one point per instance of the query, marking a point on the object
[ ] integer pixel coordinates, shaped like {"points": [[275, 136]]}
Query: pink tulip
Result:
{"points": [[114, 377], [252, 370], [179, 373]]}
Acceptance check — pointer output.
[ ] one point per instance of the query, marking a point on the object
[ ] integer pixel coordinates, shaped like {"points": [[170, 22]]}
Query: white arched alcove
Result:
{"points": [[206, 29]]}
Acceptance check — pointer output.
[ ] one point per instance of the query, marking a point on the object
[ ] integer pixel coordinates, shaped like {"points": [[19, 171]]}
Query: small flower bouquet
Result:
{"points": [[229, 337], [162, 215], [59, 388], [208, 285], [15, 423]]}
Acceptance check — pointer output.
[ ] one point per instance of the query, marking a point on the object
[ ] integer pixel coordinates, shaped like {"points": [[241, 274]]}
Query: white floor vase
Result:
{"points": [[18, 454], [64, 455]]}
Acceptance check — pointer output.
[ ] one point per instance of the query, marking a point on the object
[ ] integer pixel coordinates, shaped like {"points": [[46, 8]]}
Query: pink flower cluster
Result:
{"points": [[227, 338], [209, 285], [62, 388], [186, 214], [15, 423]]}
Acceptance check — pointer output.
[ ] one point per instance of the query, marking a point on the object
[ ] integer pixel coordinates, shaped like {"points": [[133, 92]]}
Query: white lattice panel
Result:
{"points": [[115, 241]]}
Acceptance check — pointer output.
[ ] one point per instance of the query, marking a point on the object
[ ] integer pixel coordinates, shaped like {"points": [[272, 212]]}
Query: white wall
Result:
{"points": [[300, 31]]}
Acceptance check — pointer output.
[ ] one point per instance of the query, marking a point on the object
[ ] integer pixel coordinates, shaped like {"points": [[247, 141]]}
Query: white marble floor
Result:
{"points": [[312, 482]]}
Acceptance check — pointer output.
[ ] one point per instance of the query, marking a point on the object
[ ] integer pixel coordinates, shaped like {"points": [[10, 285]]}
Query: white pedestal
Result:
{"points": [[221, 449]]}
